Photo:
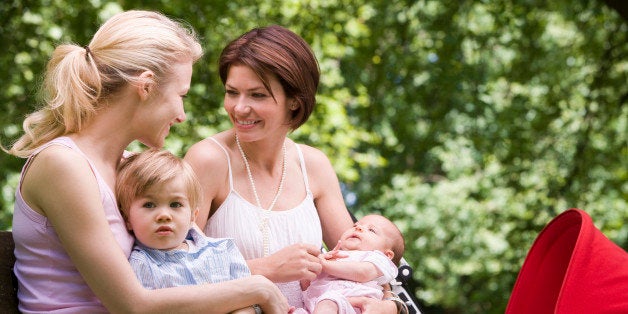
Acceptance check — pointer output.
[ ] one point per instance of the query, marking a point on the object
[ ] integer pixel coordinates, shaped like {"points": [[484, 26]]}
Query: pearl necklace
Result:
{"points": [[264, 227]]}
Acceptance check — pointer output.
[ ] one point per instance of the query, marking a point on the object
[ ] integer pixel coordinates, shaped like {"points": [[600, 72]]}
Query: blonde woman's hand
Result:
{"points": [[373, 306], [273, 301]]}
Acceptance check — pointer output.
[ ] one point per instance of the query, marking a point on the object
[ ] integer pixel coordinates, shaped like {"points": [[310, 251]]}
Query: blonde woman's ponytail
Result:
{"points": [[79, 80], [70, 89]]}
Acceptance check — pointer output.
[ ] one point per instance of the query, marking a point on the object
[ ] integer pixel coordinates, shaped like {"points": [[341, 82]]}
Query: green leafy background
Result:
{"points": [[470, 123]]}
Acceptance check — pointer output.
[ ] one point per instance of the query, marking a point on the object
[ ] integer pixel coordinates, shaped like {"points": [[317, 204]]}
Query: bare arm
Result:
{"points": [[351, 270], [328, 198], [212, 170], [60, 184]]}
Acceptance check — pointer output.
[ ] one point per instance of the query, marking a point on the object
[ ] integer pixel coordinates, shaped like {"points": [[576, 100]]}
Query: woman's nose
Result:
{"points": [[181, 115], [180, 118], [242, 107]]}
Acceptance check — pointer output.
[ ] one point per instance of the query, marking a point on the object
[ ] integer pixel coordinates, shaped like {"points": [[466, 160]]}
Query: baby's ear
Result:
{"points": [[390, 254]]}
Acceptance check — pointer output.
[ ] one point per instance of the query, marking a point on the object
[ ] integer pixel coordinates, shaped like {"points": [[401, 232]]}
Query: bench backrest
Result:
{"points": [[8, 282]]}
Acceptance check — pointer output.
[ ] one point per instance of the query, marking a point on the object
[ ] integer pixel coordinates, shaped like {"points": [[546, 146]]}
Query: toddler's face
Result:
{"points": [[162, 217]]}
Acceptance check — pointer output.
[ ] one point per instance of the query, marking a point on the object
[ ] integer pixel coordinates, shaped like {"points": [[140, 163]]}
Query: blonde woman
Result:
{"points": [[71, 244]]}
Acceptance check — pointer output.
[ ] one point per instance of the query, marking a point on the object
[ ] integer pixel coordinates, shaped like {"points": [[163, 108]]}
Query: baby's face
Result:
{"points": [[369, 233], [162, 217]]}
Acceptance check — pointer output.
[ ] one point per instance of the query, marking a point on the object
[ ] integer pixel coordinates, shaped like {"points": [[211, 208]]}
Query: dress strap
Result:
{"points": [[228, 162], [63, 140], [302, 160]]}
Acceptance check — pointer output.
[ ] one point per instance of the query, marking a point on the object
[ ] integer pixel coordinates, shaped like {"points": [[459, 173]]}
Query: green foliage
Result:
{"points": [[470, 123]]}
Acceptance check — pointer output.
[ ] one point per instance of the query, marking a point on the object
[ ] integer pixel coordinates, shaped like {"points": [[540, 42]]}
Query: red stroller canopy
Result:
{"points": [[572, 268]]}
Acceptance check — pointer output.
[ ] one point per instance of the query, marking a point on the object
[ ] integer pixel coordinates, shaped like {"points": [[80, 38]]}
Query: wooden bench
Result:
{"points": [[8, 282]]}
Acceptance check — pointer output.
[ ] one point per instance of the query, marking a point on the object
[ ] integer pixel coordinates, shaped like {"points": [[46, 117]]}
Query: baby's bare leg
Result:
{"points": [[325, 307]]}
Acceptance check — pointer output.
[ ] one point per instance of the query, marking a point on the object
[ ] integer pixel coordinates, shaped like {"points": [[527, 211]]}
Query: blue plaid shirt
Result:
{"points": [[207, 260]]}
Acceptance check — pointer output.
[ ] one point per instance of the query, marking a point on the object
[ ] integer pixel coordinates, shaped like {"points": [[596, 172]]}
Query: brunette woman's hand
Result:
{"points": [[294, 262]]}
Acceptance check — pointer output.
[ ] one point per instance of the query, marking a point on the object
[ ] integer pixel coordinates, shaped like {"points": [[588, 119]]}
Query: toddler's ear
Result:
{"points": [[194, 214]]}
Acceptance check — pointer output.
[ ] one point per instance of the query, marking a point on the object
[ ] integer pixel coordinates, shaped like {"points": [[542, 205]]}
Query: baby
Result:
{"points": [[365, 258]]}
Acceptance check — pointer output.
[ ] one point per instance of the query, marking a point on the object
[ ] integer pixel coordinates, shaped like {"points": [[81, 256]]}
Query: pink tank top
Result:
{"points": [[48, 280]]}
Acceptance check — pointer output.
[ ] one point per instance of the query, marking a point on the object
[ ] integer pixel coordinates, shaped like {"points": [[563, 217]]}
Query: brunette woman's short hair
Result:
{"points": [[275, 51]]}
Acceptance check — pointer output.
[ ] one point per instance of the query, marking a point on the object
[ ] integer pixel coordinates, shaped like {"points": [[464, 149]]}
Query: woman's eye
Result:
{"points": [[230, 92], [258, 95]]}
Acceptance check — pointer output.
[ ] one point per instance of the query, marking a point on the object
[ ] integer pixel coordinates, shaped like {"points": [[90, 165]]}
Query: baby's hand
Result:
{"points": [[337, 247], [304, 284], [333, 254]]}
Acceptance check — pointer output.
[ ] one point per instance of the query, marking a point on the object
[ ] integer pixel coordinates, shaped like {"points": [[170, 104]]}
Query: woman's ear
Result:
{"points": [[146, 84], [292, 103]]}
